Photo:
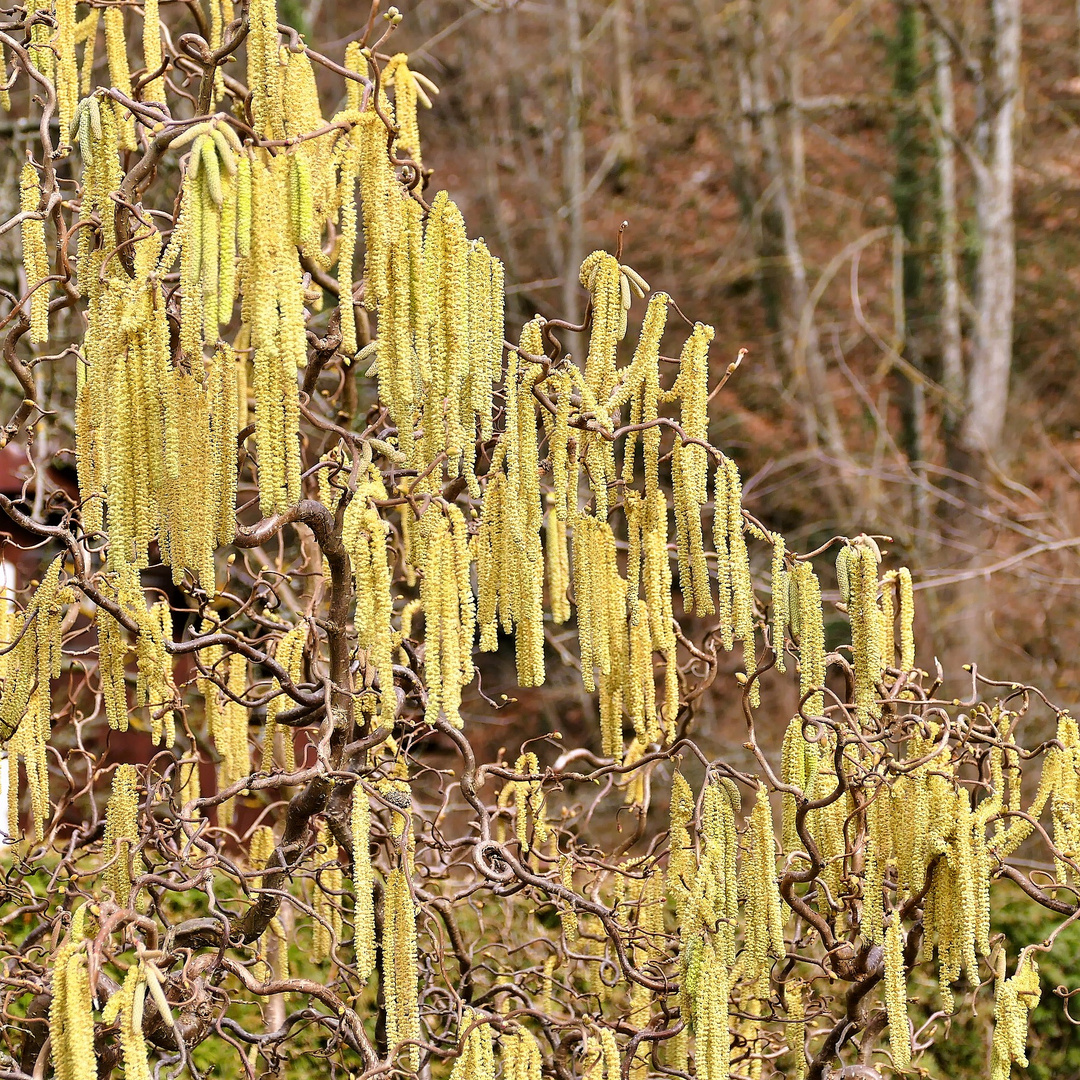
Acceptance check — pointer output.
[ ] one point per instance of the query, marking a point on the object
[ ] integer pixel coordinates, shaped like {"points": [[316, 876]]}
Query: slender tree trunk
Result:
{"points": [[988, 385], [802, 349], [625, 84], [737, 128], [952, 356], [574, 164], [796, 133], [907, 190]]}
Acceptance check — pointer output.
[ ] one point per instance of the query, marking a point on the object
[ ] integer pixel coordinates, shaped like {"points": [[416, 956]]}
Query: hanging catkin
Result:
{"points": [[273, 309], [264, 69], [379, 196], [363, 880], [365, 534], [779, 581], [762, 910], [446, 281], [402, 344], [121, 832], [477, 1058], [71, 1008], [400, 967], [689, 469], [226, 720], [639, 385], [35, 256], [867, 627], [224, 426], [521, 1055], [119, 71], [735, 588], [896, 995], [509, 555], [327, 887], [125, 1008], [26, 700], [290, 655], [409, 88], [152, 59], [67, 68], [86, 35], [449, 613], [1015, 998]]}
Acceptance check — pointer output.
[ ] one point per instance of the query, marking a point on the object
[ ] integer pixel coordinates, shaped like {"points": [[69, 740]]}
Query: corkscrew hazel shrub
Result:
{"points": [[291, 383]]}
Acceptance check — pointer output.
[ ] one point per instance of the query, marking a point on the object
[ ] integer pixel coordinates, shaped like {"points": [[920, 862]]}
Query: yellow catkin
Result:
{"points": [[112, 654], [226, 721], [363, 879], [400, 972], [25, 701], [121, 832], [5, 95], [477, 1059], [689, 469], [811, 634], [601, 276], [446, 279], [40, 50], [35, 256], [779, 600], [1015, 999], [449, 614], [396, 74], [736, 592], [155, 89], [403, 341], [567, 913], [600, 597], [762, 910], [346, 257], [907, 619], [86, 35], [273, 309], [795, 1030], [223, 422], [640, 386], [67, 68], [521, 1055], [508, 548], [125, 1008], [879, 850], [365, 535], [557, 561], [264, 69], [896, 995], [290, 655], [327, 885], [867, 629], [119, 71], [681, 863], [381, 206], [71, 1009]]}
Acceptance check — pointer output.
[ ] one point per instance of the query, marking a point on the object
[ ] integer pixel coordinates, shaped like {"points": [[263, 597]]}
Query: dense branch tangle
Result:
{"points": [[490, 490]]}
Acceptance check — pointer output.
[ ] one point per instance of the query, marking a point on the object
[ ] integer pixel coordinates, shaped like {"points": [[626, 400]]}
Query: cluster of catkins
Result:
{"points": [[556, 524]]}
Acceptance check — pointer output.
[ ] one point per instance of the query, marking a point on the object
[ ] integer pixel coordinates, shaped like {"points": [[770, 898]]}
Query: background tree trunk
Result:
{"points": [[988, 385]]}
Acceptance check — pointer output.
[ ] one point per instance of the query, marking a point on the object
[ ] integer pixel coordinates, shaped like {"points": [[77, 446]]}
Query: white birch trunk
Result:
{"points": [[952, 358], [988, 384]]}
